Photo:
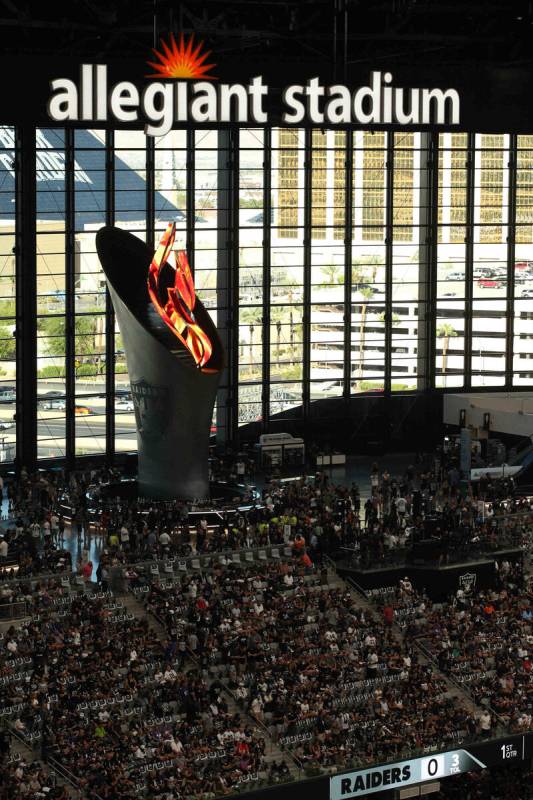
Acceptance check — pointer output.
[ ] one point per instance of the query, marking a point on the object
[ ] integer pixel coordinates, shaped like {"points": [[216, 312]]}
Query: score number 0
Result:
{"points": [[435, 767]]}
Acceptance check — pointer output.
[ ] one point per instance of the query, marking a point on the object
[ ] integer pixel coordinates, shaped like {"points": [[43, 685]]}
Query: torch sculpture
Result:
{"points": [[174, 357]]}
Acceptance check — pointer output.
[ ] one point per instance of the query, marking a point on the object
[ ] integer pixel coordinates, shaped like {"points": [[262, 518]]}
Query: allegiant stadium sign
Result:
{"points": [[162, 105]]}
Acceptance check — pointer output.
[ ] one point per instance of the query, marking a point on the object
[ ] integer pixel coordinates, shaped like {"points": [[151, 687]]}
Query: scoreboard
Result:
{"points": [[439, 765]]}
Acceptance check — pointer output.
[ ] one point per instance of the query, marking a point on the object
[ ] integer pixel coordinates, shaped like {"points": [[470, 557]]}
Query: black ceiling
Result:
{"points": [[327, 31]]}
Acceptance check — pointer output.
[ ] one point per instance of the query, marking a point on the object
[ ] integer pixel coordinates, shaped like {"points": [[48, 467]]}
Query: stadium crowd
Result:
{"points": [[321, 673], [103, 695], [21, 780], [325, 676], [424, 502], [484, 640], [509, 783]]}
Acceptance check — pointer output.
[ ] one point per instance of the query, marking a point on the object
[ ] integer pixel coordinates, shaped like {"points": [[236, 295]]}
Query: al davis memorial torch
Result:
{"points": [[174, 357]]}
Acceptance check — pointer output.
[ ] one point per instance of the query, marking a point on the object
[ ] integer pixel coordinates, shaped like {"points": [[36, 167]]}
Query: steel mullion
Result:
{"points": [[150, 192], [26, 296], [469, 260], [267, 275], [70, 301], [348, 237], [430, 311], [306, 368], [511, 246], [233, 267], [190, 202], [389, 234], [109, 311]]}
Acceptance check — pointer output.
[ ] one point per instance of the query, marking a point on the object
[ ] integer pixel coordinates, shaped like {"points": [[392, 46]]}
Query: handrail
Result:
{"points": [[58, 767], [356, 586], [17, 735], [462, 687], [17, 610], [39, 576]]}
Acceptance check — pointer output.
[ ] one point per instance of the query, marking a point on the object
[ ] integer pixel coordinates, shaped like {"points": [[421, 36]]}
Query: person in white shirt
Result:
{"points": [[140, 752], [257, 708], [54, 527], [401, 506], [175, 746]]}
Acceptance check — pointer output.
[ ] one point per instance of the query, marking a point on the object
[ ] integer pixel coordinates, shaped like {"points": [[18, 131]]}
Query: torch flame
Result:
{"points": [[177, 311]]}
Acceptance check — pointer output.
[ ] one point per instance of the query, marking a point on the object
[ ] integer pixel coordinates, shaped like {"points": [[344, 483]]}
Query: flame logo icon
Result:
{"points": [[182, 60]]}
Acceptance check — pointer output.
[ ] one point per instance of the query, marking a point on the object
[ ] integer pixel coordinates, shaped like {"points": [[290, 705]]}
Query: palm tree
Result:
{"points": [[445, 331], [360, 274], [291, 329], [333, 272], [395, 318], [251, 328], [367, 293], [251, 316]]}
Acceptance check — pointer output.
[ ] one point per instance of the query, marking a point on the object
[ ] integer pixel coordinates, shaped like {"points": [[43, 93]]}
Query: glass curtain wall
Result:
{"points": [[9, 158], [317, 252]]}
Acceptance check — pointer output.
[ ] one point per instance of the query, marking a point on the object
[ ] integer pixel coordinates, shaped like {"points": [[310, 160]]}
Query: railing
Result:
{"points": [[38, 577], [13, 611], [67, 776], [356, 586], [27, 741], [204, 561], [502, 728]]}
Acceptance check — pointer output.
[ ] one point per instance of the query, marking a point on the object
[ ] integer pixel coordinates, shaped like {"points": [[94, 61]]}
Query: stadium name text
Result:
{"points": [[162, 105]]}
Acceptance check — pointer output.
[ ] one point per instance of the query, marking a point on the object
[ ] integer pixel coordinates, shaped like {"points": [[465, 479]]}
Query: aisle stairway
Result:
{"points": [[463, 699], [273, 751], [19, 749]]}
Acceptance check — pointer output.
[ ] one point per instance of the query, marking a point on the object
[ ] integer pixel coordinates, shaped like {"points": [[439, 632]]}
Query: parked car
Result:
{"points": [[83, 411], [527, 293], [456, 276], [489, 283], [54, 404], [123, 404], [484, 272], [52, 401], [7, 394], [500, 272]]}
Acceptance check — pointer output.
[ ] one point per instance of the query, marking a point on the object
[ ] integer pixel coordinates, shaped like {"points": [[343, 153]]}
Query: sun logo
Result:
{"points": [[182, 60]]}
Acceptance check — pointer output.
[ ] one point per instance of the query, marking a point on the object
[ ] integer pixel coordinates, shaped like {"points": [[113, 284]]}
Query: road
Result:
{"points": [[90, 429]]}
